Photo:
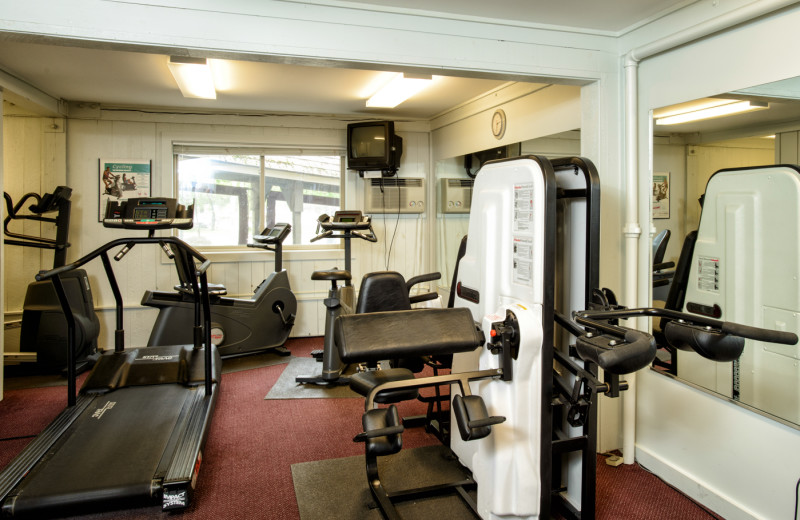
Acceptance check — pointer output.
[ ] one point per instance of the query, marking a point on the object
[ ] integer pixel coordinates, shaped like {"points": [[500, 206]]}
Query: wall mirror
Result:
{"points": [[685, 155]]}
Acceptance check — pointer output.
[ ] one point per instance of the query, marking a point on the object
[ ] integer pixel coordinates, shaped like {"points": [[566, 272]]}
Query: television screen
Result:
{"points": [[373, 146], [368, 141]]}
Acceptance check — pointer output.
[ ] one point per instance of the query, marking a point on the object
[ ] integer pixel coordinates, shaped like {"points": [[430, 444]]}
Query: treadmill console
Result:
{"points": [[275, 235], [148, 213]]}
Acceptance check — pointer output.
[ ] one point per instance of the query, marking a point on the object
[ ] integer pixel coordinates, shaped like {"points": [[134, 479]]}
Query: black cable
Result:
{"points": [[387, 254], [396, 225], [17, 438], [796, 498]]}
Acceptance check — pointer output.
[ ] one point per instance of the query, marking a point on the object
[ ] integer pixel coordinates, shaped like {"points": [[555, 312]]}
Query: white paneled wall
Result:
{"points": [[34, 152], [33, 161]]}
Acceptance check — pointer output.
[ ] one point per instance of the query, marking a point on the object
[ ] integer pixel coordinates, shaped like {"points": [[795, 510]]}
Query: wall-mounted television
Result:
{"points": [[373, 146]]}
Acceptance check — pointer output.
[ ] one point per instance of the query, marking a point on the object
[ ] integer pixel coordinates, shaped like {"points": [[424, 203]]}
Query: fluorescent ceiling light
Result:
{"points": [[193, 76], [726, 108], [400, 88]]}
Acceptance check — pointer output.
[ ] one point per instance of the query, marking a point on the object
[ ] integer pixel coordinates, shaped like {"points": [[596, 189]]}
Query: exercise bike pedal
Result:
{"points": [[282, 351], [317, 354]]}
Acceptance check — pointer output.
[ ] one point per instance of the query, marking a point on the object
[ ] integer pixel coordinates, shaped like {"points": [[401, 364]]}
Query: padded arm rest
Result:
{"points": [[397, 334]]}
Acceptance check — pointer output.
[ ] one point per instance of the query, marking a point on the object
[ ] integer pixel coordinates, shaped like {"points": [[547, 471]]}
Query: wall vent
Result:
{"points": [[394, 195], [455, 195]]}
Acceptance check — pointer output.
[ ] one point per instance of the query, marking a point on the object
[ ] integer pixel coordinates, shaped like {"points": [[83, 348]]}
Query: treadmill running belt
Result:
{"points": [[99, 460]]}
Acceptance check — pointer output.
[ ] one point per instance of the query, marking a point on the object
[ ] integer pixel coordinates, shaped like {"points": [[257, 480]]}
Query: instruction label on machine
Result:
{"points": [[522, 270], [523, 260], [523, 207], [708, 274]]}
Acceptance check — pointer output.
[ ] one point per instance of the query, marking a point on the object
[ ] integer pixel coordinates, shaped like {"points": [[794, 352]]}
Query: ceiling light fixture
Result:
{"points": [[729, 107], [193, 76], [398, 89]]}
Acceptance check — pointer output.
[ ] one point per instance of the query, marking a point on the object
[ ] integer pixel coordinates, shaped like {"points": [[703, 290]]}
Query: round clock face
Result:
{"points": [[499, 124]]}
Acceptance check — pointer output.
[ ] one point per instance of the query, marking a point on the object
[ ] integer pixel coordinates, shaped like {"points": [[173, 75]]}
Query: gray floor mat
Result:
{"points": [[286, 387], [337, 488]]}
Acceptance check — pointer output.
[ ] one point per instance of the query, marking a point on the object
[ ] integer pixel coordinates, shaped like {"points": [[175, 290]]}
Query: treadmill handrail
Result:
{"points": [[115, 244], [202, 304]]}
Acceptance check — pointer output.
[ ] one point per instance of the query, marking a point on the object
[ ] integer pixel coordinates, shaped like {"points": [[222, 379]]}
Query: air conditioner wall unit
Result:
{"points": [[394, 195], [455, 195]]}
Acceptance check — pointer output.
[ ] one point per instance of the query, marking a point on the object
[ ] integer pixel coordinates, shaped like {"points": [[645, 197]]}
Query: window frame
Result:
{"points": [[236, 252]]}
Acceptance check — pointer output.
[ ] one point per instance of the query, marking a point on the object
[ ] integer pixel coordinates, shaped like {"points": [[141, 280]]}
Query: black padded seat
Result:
{"points": [[331, 275], [364, 382], [421, 332]]}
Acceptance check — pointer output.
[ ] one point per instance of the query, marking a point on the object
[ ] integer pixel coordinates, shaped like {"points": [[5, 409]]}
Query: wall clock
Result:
{"points": [[498, 124]]}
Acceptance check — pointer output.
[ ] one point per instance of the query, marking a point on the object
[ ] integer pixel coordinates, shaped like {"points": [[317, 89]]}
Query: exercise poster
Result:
{"points": [[122, 180], [661, 195]]}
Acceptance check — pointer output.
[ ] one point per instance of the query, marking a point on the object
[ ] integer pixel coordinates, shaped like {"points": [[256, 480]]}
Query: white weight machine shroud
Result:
{"points": [[510, 264], [747, 262]]}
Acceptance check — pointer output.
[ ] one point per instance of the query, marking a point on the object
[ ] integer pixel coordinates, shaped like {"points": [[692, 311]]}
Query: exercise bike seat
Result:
{"points": [[334, 274]]}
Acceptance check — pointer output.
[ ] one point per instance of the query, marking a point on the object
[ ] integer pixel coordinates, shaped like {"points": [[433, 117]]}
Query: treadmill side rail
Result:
{"points": [[21, 465]]}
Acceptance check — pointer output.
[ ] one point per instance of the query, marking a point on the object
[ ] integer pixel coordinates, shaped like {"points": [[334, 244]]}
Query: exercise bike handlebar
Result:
{"points": [[369, 238]]}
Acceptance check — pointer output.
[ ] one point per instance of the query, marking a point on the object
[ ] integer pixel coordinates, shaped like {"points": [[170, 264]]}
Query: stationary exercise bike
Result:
{"points": [[239, 326], [345, 225], [43, 334], [380, 291]]}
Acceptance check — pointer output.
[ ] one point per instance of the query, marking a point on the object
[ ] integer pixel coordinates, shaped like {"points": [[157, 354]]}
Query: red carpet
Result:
{"points": [[253, 443]]}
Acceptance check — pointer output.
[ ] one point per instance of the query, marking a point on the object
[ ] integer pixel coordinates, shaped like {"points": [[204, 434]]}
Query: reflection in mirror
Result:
{"points": [[454, 180], [741, 263]]}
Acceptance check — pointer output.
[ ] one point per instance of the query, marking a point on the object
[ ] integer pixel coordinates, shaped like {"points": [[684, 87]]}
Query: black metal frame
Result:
{"points": [[386, 498], [202, 326], [56, 201], [565, 400]]}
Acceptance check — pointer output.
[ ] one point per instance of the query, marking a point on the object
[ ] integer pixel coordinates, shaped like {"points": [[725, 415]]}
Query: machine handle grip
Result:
{"points": [[322, 235], [380, 432], [759, 334], [203, 267], [370, 238], [411, 282]]}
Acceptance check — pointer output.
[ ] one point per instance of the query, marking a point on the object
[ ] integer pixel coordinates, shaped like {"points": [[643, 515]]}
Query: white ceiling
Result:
{"points": [[608, 16], [128, 78], [120, 78]]}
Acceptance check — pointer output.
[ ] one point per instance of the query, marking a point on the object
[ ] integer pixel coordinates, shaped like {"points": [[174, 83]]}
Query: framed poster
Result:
{"points": [[122, 180], [661, 195]]}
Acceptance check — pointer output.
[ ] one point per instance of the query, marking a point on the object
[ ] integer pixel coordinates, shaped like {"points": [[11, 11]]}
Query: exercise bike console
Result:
{"points": [[348, 223], [274, 236]]}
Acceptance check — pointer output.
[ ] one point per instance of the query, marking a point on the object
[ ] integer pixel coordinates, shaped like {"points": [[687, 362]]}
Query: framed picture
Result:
{"points": [[661, 195], [122, 180]]}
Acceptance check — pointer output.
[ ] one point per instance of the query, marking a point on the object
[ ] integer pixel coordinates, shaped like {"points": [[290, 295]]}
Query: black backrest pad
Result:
{"points": [[419, 332], [382, 291]]}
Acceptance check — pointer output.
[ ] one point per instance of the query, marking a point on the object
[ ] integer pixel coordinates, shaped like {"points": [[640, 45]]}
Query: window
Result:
{"points": [[239, 192]]}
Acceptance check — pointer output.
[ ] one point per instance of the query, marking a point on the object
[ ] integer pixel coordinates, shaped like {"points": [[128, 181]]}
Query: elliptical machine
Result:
{"points": [[239, 326], [43, 334]]}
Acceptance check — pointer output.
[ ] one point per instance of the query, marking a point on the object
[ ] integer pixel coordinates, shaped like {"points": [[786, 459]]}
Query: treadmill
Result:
{"points": [[135, 433]]}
